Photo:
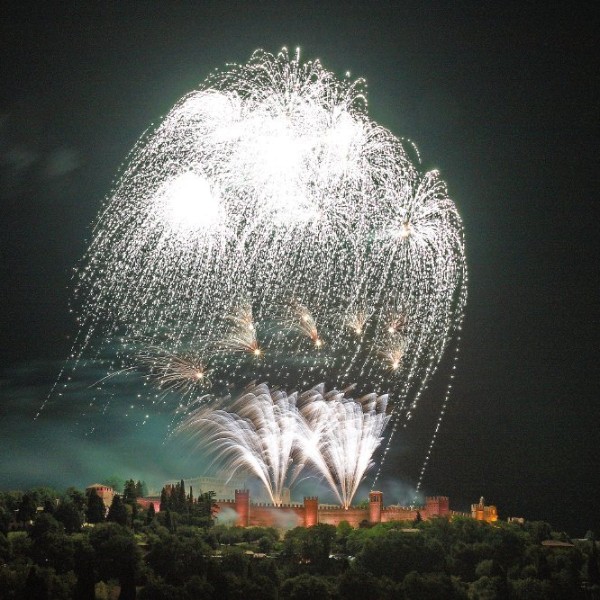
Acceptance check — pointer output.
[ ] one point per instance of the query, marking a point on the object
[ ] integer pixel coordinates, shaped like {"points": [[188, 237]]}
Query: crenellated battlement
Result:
{"points": [[310, 512]]}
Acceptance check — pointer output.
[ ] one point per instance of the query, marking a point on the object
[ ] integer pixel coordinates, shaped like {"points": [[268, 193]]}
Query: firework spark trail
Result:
{"points": [[183, 373], [303, 322], [259, 433], [357, 319], [347, 433], [275, 436], [270, 183]]}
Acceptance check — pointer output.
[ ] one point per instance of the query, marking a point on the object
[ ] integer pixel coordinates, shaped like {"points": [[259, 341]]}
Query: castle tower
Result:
{"points": [[478, 510], [375, 506], [242, 507], [437, 506], [311, 511]]}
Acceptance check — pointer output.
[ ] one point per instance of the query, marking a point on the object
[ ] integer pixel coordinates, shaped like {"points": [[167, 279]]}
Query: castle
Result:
{"points": [[481, 512], [243, 513]]}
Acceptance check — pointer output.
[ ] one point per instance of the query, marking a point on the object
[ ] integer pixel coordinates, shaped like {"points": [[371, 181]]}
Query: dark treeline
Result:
{"points": [[73, 548]]}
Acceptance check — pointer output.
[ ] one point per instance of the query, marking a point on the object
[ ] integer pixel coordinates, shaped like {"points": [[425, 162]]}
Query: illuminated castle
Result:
{"points": [[481, 512], [243, 513]]}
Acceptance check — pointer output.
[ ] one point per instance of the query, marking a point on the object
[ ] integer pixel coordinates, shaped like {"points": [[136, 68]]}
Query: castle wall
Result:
{"points": [[285, 516], [334, 516], [400, 513], [246, 514]]}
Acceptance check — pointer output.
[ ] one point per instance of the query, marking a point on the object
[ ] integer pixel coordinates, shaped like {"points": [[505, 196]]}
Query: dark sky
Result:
{"points": [[504, 102]]}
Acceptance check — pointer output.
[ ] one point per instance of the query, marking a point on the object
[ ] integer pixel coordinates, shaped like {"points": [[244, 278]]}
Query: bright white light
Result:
{"points": [[189, 204], [272, 187]]}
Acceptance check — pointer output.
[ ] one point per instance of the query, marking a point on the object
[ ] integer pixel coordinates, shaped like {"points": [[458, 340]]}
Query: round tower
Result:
{"points": [[242, 507], [375, 506], [311, 511]]}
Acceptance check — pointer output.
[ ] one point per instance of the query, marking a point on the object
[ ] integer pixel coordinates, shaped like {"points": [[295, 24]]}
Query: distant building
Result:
{"points": [[104, 491], [518, 520], [481, 512]]}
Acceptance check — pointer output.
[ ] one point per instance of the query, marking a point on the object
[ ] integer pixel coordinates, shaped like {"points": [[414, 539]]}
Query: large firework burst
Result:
{"points": [[267, 184]]}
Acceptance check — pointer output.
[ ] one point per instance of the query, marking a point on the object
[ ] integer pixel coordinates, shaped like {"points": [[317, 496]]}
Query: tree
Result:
{"points": [[592, 564], [68, 514], [117, 556], [150, 514], [77, 497], [117, 513], [4, 520], [164, 500], [27, 509], [43, 524], [430, 586], [129, 492], [176, 558], [181, 499], [36, 585], [205, 508], [95, 510], [85, 570], [317, 545], [141, 489], [169, 522], [306, 587], [357, 585], [5, 550]]}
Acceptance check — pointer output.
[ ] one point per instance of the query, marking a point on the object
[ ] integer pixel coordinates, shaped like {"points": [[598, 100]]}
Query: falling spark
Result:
{"points": [[357, 320], [392, 352], [302, 321], [183, 373]]}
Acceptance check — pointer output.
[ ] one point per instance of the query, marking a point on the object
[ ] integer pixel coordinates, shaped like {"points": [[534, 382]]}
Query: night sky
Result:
{"points": [[503, 102]]}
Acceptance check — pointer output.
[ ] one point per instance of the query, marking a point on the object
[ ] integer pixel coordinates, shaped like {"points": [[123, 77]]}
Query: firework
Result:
{"points": [[241, 334], [396, 323], [303, 322], [274, 436], [346, 433], [392, 351], [357, 320], [259, 434], [268, 183], [183, 373]]}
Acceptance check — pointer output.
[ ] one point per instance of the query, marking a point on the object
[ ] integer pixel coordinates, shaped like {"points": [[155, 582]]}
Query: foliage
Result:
{"points": [[95, 509], [70, 515], [48, 557], [117, 513], [306, 587]]}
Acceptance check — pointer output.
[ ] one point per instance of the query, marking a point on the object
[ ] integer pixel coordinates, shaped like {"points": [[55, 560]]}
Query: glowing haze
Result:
{"points": [[269, 230]]}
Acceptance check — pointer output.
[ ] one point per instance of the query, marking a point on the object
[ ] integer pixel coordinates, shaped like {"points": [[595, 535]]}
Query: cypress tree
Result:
{"points": [[95, 510], [150, 514], [181, 499], [164, 500], [169, 521], [129, 492], [117, 512]]}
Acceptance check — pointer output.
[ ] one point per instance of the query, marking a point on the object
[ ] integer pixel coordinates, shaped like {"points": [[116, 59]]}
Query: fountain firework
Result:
{"points": [[270, 191], [274, 436]]}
